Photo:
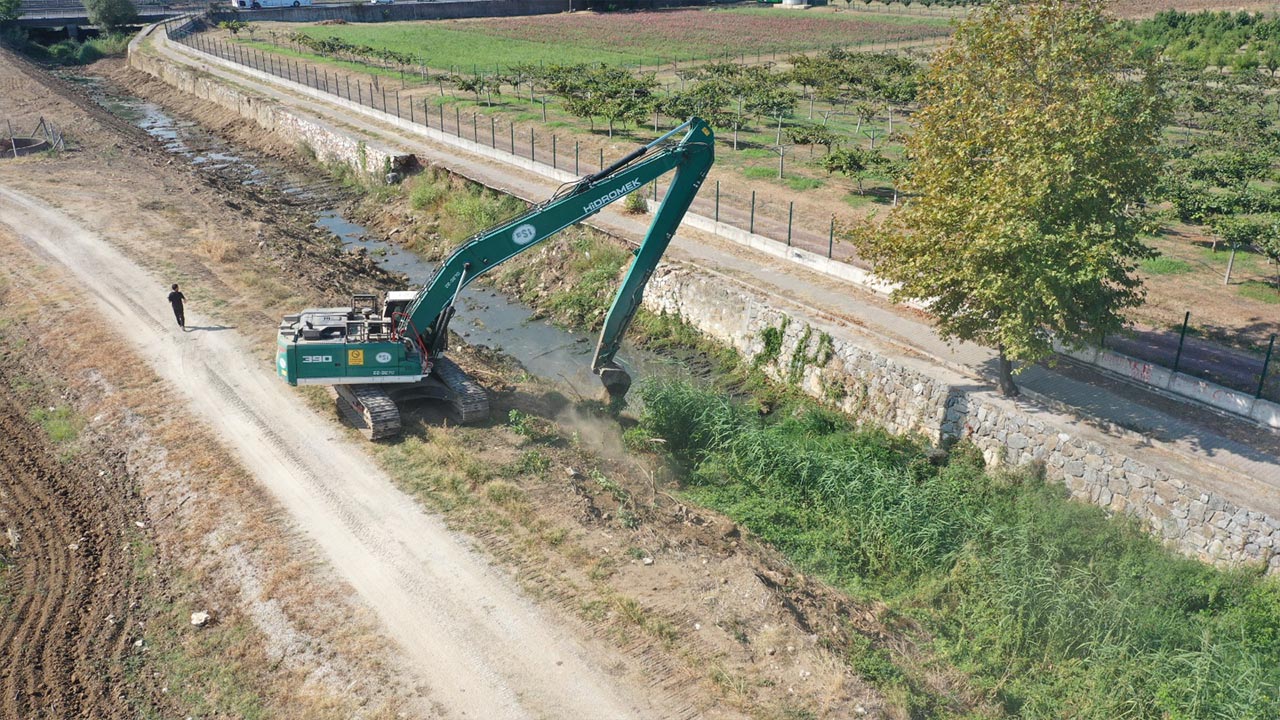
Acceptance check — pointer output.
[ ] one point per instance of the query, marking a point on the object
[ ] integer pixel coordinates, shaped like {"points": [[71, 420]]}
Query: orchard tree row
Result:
{"points": [[1240, 41], [796, 101]]}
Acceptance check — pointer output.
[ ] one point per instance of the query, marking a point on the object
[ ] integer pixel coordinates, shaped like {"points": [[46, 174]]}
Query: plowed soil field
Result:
{"points": [[70, 591]]}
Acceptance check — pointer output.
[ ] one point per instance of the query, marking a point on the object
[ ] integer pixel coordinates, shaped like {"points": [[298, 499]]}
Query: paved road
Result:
{"points": [[1235, 458]]}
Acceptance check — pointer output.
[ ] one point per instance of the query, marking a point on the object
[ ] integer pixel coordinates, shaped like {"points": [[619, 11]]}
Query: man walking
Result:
{"points": [[175, 300]]}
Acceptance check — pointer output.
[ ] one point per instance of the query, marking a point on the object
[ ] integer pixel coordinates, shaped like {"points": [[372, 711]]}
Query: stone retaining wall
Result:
{"points": [[328, 143], [880, 384]]}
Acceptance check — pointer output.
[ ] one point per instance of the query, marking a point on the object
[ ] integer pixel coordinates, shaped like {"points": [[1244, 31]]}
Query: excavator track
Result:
{"points": [[370, 409], [468, 398]]}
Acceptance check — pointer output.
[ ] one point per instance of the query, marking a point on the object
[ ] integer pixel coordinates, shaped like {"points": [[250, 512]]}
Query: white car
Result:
{"points": [[258, 4]]}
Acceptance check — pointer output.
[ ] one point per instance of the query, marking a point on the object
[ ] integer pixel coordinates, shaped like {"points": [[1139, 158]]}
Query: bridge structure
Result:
{"points": [[62, 13]]}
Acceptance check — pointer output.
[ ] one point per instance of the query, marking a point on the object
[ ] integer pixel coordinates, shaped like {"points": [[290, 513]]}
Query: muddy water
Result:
{"points": [[485, 316], [494, 319]]}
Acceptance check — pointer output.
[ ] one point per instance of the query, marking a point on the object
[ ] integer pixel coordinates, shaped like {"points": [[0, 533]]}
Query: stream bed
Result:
{"points": [[485, 316]]}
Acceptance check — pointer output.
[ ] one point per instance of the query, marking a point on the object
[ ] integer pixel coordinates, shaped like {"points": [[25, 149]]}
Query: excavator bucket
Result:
{"points": [[616, 381]]}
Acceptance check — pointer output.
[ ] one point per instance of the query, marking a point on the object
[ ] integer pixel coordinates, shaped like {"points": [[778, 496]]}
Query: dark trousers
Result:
{"points": [[177, 313]]}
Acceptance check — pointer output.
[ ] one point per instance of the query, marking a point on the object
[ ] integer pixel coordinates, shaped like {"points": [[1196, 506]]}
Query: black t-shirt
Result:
{"points": [[176, 298]]}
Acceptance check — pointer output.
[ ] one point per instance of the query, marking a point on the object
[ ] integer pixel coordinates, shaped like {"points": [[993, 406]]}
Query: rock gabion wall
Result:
{"points": [[876, 383]]}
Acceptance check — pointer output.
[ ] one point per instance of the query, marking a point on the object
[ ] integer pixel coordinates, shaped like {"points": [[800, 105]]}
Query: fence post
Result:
{"points": [[752, 227], [398, 104], [441, 117], [457, 121], [554, 163], [1177, 358], [532, 149], [1262, 379], [410, 110], [575, 158], [601, 158], [791, 208], [475, 128], [655, 191], [493, 132], [513, 138], [831, 237], [717, 201], [360, 91]]}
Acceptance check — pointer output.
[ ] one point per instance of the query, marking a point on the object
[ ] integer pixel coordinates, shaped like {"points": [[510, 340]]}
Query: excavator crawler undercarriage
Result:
{"points": [[374, 409]]}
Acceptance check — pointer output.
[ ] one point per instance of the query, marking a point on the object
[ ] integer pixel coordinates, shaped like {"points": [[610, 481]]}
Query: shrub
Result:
{"points": [[635, 204], [427, 193], [111, 15]]}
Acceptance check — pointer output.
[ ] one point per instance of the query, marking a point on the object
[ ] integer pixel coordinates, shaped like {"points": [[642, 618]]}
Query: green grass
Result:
{"points": [[854, 200], [1051, 608], [466, 50], [760, 173], [61, 424], [640, 38], [463, 209], [800, 184], [1246, 260], [355, 67], [1264, 292], [1165, 266]]}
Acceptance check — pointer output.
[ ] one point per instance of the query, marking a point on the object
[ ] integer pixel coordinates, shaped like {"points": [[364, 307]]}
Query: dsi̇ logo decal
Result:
{"points": [[383, 357], [524, 234]]}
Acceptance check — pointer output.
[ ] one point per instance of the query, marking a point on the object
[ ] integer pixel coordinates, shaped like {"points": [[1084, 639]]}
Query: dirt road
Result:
{"points": [[481, 649]]}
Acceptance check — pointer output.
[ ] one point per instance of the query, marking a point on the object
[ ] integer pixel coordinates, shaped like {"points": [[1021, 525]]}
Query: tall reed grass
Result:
{"points": [[1051, 607]]}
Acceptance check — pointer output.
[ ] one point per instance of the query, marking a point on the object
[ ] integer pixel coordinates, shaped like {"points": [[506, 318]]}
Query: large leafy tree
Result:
{"points": [[111, 15], [1035, 147]]}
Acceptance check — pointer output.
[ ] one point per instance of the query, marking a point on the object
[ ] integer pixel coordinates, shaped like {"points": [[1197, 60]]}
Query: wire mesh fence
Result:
{"points": [[748, 211], [1250, 369], [753, 213]]}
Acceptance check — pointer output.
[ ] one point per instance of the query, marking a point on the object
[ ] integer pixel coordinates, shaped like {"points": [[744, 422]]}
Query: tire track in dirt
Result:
{"points": [[72, 587]]}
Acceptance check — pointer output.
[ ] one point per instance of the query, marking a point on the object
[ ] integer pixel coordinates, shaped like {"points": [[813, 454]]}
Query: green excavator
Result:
{"points": [[375, 355]]}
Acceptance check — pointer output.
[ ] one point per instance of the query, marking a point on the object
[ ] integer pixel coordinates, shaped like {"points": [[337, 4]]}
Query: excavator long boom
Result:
{"points": [[427, 317]]}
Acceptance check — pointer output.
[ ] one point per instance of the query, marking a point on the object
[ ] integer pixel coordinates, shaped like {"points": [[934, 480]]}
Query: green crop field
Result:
{"points": [[647, 38]]}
